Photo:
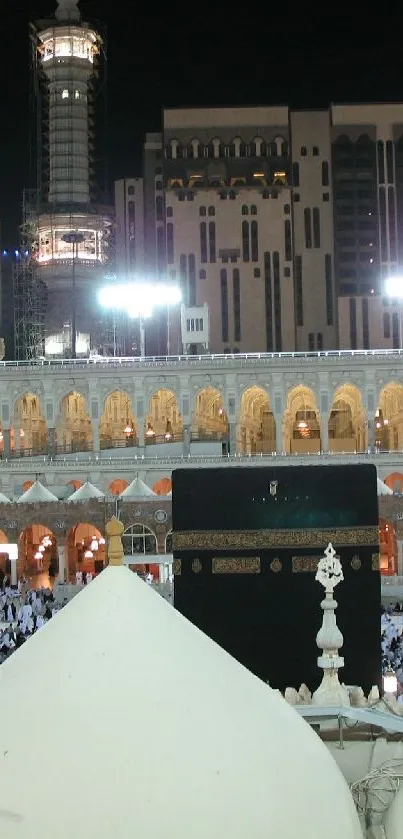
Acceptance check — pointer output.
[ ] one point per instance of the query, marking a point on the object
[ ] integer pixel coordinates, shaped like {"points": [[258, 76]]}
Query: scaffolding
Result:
{"points": [[29, 310]]}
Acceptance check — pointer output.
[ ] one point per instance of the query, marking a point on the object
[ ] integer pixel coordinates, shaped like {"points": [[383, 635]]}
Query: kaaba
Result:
{"points": [[246, 544]]}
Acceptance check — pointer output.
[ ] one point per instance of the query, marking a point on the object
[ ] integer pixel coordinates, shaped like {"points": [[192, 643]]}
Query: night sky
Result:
{"points": [[192, 54]]}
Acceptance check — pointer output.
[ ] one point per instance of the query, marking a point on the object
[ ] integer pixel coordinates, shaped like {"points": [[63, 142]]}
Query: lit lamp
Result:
{"points": [[102, 541], [150, 431], [38, 555], [394, 290], [390, 682], [41, 549], [88, 554], [128, 429], [94, 544], [168, 432]]}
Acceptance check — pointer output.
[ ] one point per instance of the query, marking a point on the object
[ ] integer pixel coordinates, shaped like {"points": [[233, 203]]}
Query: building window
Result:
{"points": [[329, 289], [325, 173], [308, 228], [287, 209], [316, 227], [395, 332], [365, 323], [170, 212], [161, 249], [232, 195], [236, 291], [353, 323], [326, 196], [202, 274], [130, 190], [211, 211], [158, 186], [303, 151], [256, 273], [311, 342], [287, 272], [212, 242], [268, 302], [254, 241], [192, 279], [170, 243], [253, 210], [296, 197], [224, 304], [203, 241], [295, 174], [202, 211], [65, 94], [245, 241], [319, 341], [183, 274], [298, 291], [190, 196], [315, 151], [277, 300], [386, 325], [159, 208], [244, 210], [287, 241]]}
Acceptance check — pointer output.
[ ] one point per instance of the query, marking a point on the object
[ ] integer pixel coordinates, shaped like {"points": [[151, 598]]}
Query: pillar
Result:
{"points": [[95, 435], [6, 442], [186, 440], [13, 573], [324, 433], [62, 564], [278, 419], [232, 438], [400, 558], [51, 441]]}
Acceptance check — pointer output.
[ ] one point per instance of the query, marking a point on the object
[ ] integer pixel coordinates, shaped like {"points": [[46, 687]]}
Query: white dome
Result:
{"points": [[35, 494], [4, 499], [137, 489], [149, 727], [85, 493], [383, 488]]}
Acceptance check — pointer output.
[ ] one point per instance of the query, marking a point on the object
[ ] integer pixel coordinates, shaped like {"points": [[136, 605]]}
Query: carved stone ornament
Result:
{"points": [[196, 566], [177, 567], [330, 571]]}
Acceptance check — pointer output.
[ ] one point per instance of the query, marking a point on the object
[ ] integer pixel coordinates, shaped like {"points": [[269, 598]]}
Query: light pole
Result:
{"points": [[73, 238], [138, 300], [394, 290]]}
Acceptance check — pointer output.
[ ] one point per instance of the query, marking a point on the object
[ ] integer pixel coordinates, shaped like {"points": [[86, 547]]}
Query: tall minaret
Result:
{"points": [[72, 231]]}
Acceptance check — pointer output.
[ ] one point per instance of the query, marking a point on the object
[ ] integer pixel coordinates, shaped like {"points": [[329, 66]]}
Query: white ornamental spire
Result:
{"points": [[67, 11], [329, 638]]}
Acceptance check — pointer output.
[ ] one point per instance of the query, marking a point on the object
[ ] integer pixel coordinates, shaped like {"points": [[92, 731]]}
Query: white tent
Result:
{"points": [[36, 493], [85, 493], [4, 499], [137, 489], [382, 488], [146, 726]]}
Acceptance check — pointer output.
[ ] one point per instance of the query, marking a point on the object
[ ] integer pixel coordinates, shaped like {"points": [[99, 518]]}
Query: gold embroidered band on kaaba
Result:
{"points": [[233, 540]]}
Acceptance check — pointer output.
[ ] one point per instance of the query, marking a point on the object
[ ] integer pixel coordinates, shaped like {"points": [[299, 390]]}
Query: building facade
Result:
{"points": [[285, 223]]}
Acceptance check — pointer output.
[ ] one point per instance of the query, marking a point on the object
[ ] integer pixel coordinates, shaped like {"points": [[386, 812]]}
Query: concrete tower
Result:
{"points": [[71, 247]]}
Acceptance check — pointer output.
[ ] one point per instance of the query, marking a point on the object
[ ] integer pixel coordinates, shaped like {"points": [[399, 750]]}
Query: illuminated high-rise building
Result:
{"points": [[66, 222]]}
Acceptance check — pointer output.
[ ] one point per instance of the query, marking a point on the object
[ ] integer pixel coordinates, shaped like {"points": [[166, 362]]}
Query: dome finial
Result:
{"points": [[67, 10], [114, 529]]}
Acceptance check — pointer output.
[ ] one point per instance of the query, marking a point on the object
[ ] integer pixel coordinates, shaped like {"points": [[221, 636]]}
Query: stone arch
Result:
{"points": [[75, 484], [210, 421], [395, 482], [163, 486], [73, 426], [138, 538], [30, 546], [30, 433], [117, 426], [27, 485], [164, 422], [80, 537], [168, 542], [302, 429], [256, 429], [117, 486], [387, 547], [388, 421], [347, 421]]}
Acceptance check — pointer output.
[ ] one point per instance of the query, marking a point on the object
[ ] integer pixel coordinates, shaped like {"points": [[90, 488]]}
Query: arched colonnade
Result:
{"points": [[254, 423]]}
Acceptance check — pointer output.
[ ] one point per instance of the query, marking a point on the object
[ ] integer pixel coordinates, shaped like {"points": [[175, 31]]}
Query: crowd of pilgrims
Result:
{"points": [[392, 640], [23, 611]]}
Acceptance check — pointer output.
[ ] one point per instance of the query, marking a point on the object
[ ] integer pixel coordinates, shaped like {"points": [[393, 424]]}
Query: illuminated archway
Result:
{"points": [[163, 486], [301, 422], [117, 486], [210, 421], [31, 434], [38, 550], [73, 427], [75, 484], [86, 549], [347, 421], [256, 430], [388, 422], [117, 426], [395, 482], [387, 547], [163, 423], [27, 485]]}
